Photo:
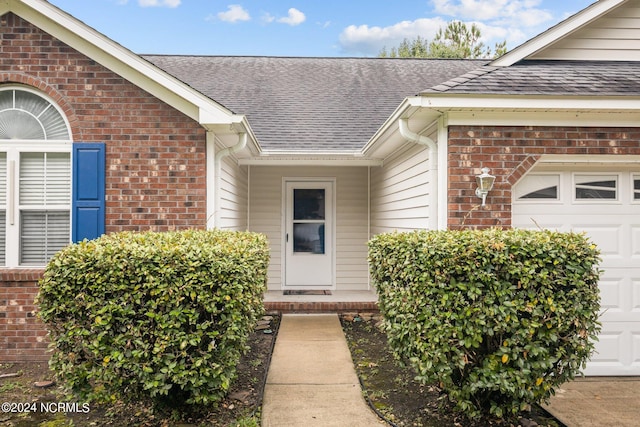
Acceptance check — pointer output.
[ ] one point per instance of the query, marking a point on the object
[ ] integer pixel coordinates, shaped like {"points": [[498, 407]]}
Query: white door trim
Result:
{"points": [[332, 232]]}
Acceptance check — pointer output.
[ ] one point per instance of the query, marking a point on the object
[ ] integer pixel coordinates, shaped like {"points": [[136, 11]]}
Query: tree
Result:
{"points": [[456, 41], [416, 48]]}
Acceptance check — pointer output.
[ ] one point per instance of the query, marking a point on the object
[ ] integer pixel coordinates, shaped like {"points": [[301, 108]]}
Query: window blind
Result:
{"points": [[42, 234], [45, 179], [45, 187]]}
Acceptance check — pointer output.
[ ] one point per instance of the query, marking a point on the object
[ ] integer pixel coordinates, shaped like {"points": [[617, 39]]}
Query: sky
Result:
{"points": [[311, 28]]}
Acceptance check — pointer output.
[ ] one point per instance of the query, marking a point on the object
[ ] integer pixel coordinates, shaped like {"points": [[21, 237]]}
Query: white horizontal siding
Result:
{"points": [[234, 187], [350, 222], [615, 36], [401, 191], [265, 217]]}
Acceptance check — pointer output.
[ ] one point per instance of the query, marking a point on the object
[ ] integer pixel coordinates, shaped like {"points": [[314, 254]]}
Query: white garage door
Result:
{"points": [[605, 203]]}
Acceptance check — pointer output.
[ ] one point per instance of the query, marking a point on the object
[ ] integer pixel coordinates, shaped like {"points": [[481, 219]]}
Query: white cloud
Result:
{"points": [[515, 13], [498, 20], [267, 17], [295, 17], [234, 13], [159, 3], [511, 20], [366, 40]]}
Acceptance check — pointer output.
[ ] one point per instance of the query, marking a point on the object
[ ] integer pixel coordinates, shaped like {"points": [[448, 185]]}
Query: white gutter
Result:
{"points": [[219, 156], [242, 142], [409, 135], [462, 102], [294, 160]]}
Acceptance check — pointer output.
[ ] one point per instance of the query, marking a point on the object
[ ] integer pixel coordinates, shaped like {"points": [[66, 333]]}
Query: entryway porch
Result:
{"points": [[360, 301]]}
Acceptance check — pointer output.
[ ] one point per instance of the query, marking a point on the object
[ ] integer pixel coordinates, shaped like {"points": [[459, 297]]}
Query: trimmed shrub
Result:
{"points": [[496, 318], [157, 317]]}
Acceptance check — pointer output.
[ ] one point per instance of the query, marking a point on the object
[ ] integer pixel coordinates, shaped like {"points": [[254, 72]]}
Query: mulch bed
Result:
{"points": [[35, 405]]}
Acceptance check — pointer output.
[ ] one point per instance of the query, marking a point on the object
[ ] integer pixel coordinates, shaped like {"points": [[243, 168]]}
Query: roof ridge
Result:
{"points": [[291, 57]]}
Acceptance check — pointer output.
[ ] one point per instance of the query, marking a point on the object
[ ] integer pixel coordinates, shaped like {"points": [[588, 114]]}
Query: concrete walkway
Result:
{"points": [[598, 402], [311, 380]]}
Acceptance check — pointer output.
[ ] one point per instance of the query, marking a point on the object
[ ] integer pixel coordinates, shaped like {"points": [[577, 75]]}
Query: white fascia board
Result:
{"points": [[119, 60], [239, 124], [405, 109], [448, 102], [316, 160], [544, 118], [312, 153], [557, 32]]}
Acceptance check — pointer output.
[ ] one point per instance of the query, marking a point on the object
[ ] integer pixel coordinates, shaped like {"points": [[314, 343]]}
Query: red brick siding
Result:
{"points": [[510, 152], [22, 336], [156, 175]]}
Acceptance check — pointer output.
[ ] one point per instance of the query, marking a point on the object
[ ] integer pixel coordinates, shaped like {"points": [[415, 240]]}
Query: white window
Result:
{"points": [[35, 178], [588, 187], [539, 186]]}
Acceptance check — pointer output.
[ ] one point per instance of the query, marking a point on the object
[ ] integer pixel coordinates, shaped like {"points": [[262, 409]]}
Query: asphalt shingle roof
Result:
{"points": [[311, 104], [580, 78]]}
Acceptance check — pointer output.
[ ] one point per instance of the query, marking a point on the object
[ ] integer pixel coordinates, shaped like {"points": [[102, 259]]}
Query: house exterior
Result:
{"points": [[556, 121], [319, 154]]}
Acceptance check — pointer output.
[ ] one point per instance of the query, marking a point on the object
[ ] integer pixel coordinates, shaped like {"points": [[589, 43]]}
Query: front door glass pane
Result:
{"points": [[308, 238], [309, 220], [308, 204]]}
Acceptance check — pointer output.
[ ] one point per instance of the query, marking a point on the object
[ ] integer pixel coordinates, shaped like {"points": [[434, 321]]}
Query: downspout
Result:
{"points": [[409, 135], [368, 218], [220, 155], [248, 198]]}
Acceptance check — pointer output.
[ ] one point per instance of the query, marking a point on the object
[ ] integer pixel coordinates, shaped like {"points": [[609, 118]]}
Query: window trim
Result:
{"points": [[557, 200], [51, 101], [14, 148], [595, 175], [633, 177], [12, 257]]}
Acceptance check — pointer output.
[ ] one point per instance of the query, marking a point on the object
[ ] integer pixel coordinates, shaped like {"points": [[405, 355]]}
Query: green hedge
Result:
{"points": [[159, 317], [496, 318]]}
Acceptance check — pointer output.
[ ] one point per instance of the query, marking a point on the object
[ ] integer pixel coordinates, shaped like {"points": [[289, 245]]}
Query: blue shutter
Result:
{"points": [[88, 193]]}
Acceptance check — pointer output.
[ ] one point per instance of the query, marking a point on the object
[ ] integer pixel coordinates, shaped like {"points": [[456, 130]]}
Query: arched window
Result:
{"points": [[35, 178], [28, 116]]}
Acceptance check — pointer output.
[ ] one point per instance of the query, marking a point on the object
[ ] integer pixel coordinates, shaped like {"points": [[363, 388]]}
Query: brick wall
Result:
{"points": [[156, 172], [156, 177], [22, 336], [510, 152]]}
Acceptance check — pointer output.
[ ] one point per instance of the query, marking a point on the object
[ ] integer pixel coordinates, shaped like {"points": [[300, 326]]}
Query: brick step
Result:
{"points": [[284, 307]]}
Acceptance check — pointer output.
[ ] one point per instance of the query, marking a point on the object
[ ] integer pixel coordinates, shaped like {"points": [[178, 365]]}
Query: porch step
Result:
{"points": [[312, 307], [337, 301]]}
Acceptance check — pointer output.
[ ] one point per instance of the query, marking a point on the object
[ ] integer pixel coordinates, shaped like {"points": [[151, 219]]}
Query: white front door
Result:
{"points": [[308, 239], [604, 202]]}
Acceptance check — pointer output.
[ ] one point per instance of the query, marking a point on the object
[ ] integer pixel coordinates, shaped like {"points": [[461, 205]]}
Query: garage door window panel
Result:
{"points": [[636, 187], [539, 187], [590, 187]]}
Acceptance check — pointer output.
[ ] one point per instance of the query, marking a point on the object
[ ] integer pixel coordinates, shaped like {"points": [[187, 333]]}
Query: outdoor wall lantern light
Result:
{"points": [[485, 184]]}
